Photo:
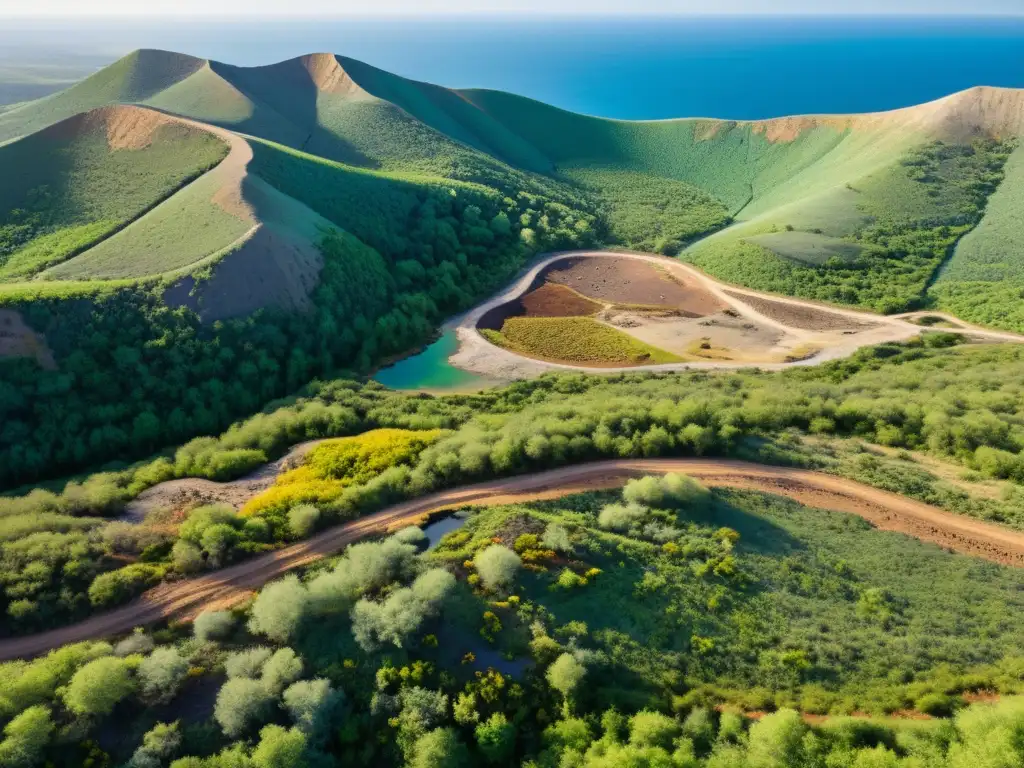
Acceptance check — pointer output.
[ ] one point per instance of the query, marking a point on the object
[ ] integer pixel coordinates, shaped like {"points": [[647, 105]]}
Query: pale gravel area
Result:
{"points": [[477, 355]]}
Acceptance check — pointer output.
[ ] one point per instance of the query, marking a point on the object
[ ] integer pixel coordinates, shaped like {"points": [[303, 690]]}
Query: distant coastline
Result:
{"points": [[635, 68]]}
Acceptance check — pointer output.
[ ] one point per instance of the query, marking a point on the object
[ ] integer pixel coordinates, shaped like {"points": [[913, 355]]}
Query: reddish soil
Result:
{"points": [[556, 300], [800, 315], [885, 510], [633, 282]]}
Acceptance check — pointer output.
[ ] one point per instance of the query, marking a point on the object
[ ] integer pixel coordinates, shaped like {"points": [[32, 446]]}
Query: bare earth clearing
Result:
{"points": [[745, 328], [886, 511]]}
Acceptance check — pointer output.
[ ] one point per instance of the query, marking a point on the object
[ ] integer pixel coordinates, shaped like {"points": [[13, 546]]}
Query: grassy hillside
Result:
{"points": [[73, 184], [983, 282], [888, 235]]}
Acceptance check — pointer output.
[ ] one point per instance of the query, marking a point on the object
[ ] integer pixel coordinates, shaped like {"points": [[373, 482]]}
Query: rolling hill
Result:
{"points": [[191, 237]]}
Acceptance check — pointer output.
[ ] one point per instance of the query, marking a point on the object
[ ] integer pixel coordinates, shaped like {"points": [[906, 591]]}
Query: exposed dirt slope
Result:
{"points": [[885, 510]]}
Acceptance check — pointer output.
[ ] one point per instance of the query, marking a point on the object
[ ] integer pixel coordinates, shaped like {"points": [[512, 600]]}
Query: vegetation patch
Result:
{"points": [[68, 188], [575, 340], [337, 464], [915, 212]]}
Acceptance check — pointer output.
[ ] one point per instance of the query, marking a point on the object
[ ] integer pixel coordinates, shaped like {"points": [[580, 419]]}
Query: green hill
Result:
{"points": [[354, 209]]}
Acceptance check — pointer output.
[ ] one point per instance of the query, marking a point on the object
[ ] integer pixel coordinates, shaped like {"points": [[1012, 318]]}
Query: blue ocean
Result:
{"points": [[640, 68]]}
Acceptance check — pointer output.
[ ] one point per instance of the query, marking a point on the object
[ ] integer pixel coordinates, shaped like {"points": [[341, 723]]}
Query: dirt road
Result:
{"points": [[885, 510], [478, 355]]}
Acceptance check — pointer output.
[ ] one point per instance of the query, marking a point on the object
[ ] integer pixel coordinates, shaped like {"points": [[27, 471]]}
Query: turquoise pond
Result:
{"points": [[430, 370]]}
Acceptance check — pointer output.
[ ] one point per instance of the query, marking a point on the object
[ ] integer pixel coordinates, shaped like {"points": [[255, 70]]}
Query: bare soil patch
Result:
{"points": [[556, 300], [627, 281], [17, 339], [175, 497], [800, 315]]}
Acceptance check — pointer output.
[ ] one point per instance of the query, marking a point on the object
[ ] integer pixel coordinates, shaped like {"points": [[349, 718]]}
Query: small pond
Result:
{"points": [[430, 370], [436, 530]]}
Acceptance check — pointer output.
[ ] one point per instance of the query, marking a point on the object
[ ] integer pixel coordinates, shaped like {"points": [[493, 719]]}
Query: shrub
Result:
{"points": [[26, 737], [402, 613], [248, 663], [497, 566], [364, 567], [119, 586], [213, 625], [311, 705], [620, 517], [281, 670], [279, 748], [776, 740], [302, 520], [161, 674], [412, 534], [279, 609], [242, 703], [671, 491], [137, 642], [187, 557], [99, 686], [440, 748], [158, 746], [652, 729], [556, 537], [565, 675], [936, 704], [496, 738]]}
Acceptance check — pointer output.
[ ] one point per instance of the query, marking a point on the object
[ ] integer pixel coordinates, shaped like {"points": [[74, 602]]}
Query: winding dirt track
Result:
{"points": [[478, 355], [885, 510]]}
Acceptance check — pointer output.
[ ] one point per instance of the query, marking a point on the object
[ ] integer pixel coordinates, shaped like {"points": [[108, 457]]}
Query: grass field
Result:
{"points": [[575, 340]]}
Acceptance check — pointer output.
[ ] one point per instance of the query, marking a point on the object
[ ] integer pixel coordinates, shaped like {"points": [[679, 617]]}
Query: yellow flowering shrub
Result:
{"points": [[337, 464]]}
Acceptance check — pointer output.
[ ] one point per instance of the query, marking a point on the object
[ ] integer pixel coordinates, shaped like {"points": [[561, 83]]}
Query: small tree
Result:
{"points": [[279, 748], [652, 729], [248, 663], [279, 609], [496, 738], [25, 738], [281, 669], [497, 566], [440, 748], [776, 740], [302, 520], [241, 704], [158, 746], [564, 675], [213, 625], [161, 675], [311, 704], [99, 686]]}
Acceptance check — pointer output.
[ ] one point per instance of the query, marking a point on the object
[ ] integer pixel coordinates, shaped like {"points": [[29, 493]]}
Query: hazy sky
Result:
{"points": [[383, 7]]}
